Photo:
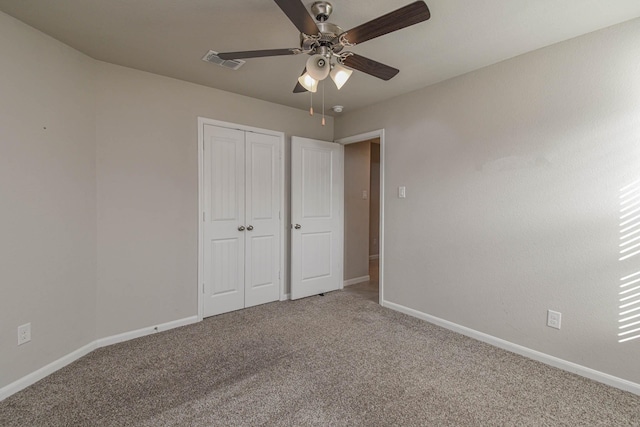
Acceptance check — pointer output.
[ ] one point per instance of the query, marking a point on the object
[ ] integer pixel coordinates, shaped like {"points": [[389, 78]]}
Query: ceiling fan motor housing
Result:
{"points": [[327, 39]]}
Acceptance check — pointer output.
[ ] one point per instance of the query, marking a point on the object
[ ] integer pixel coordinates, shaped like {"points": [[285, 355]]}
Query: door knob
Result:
{"points": [[250, 227], [241, 228], [297, 226]]}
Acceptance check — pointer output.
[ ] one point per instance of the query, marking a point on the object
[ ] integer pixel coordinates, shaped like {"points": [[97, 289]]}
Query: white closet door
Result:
{"points": [[316, 216], [262, 250], [224, 214]]}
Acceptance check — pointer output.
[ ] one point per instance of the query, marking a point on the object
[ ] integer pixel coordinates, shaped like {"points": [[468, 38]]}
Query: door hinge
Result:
{"points": [[203, 217]]}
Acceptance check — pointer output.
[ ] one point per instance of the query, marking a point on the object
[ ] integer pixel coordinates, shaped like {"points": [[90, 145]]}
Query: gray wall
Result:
{"points": [[513, 175], [356, 209], [48, 196], [374, 200], [100, 209], [147, 173]]}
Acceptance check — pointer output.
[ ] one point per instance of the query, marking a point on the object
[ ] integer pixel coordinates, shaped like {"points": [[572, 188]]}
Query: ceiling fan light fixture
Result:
{"points": [[340, 75], [308, 82], [318, 67]]}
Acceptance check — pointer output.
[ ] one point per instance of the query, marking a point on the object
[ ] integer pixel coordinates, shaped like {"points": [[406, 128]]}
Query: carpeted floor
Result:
{"points": [[338, 360]]}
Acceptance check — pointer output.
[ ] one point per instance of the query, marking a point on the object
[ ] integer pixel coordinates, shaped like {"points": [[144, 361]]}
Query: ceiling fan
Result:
{"points": [[325, 42]]}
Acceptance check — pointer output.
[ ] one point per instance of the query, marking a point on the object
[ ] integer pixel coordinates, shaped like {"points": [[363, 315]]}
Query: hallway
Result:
{"points": [[370, 290]]}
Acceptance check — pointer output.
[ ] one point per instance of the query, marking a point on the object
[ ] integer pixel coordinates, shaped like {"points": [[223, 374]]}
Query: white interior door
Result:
{"points": [[316, 216], [224, 210], [262, 234]]}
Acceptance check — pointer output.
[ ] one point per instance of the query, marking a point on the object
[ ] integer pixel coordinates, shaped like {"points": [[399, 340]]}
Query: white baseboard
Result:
{"points": [[285, 297], [518, 349], [357, 280], [126, 336], [45, 371], [49, 369], [372, 257]]}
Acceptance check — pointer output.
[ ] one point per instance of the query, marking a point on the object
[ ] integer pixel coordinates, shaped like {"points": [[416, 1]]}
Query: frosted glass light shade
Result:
{"points": [[318, 67], [340, 75], [308, 82]]}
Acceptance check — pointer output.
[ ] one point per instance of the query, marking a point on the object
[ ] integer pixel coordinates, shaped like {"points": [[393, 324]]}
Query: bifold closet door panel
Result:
{"points": [[224, 217], [262, 237]]}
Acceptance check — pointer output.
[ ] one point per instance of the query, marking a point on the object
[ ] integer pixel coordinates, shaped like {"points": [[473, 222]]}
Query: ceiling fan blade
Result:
{"points": [[299, 88], [371, 67], [257, 53], [404, 17], [298, 15]]}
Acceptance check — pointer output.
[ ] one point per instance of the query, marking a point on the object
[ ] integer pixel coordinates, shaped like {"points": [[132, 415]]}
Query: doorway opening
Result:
{"points": [[363, 214]]}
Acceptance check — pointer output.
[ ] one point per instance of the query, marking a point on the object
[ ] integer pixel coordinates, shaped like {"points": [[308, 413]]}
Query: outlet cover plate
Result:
{"points": [[24, 333], [554, 319]]}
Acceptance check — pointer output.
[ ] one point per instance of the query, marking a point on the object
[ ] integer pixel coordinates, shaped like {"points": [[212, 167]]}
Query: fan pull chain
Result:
{"points": [[323, 103], [311, 104]]}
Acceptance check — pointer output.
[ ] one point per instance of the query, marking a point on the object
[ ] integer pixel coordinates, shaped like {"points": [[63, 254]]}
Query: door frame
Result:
{"points": [[202, 121], [379, 133]]}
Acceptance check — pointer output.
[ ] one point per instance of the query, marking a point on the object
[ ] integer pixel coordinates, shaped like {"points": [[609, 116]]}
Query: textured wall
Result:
{"points": [[513, 175], [47, 191]]}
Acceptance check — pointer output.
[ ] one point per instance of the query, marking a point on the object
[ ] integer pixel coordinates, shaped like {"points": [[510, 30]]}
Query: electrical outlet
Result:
{"points": [[24, 333], [553, 319]]}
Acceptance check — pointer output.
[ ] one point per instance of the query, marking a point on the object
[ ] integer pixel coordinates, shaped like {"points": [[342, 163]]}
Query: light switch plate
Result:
{"points": [[402, 192]]}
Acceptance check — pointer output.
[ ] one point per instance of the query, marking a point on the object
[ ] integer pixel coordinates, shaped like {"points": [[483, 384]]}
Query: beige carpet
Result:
{"points": [[338, 360]]}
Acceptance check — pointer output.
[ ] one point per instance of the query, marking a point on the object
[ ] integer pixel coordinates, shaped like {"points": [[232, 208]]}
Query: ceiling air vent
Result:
{"points": [[213, 57]]}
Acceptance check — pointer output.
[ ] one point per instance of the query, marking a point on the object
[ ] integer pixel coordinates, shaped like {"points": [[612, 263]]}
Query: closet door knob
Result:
{"points": [[241, 228], [297, 226], [250, 227]]}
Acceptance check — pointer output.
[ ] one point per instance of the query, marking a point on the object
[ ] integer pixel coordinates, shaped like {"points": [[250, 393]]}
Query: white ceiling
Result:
{"points": [[169, 37]]}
